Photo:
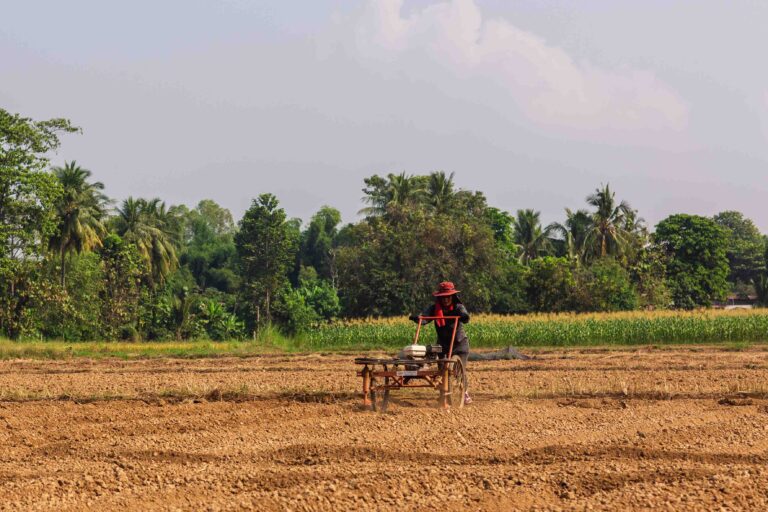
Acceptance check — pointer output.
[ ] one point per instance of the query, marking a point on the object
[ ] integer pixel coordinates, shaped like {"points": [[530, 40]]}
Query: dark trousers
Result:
{"points": [[463, 356]]}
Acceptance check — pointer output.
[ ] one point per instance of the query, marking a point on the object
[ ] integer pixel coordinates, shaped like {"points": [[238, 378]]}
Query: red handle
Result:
{"points": [[453, 336]]}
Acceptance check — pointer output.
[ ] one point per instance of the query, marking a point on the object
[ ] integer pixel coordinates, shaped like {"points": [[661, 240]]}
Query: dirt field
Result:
{"points": [[669, 429]]}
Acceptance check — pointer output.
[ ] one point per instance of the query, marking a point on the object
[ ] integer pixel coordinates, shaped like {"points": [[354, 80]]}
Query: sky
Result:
{"points": [[535, 103]]}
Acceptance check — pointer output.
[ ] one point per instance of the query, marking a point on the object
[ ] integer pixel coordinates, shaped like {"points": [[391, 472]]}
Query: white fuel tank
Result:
{"points": [[415, 351]]}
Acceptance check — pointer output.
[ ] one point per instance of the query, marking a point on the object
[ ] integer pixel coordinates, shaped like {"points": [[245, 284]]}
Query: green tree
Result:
{"points": [[293, 311], [72, 313], [318, 241], [177, 218], [745, 247], [529, 236], [150, 228], [85, 283], [206, 221], [509, 290], [390, 265], [27, 215], [760, 282], [219, 323], [266, 245], [761, 289], [649, 276], [608, 234], [210, 252], [637, 238], [122, 274], [313, 301], [501, 224], [550, 284], [81, 209], [440, 194], [574, 232], [697, 267], [469, 203], [604, 286], [216, 218], [180, 316], [318, 294], [388, 195]]}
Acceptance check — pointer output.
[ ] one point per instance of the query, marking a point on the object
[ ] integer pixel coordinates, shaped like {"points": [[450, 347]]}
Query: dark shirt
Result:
{"points": [[461, 344]]}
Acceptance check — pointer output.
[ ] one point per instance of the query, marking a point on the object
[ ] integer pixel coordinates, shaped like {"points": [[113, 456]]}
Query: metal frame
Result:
{"points": [[425, 377]]}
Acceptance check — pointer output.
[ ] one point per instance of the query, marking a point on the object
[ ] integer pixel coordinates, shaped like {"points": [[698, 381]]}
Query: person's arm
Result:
{"points": [[428, 311], [462, 313]]}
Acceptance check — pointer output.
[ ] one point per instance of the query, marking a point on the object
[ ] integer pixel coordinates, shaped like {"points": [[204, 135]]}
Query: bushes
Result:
{"points": [[558, 285], [550, 284], [313, 301], [604, 286], [73, 312], [510, 293], [217, 323]]}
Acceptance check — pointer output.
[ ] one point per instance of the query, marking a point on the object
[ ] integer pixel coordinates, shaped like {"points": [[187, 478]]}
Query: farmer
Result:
{"points": [[447, 303]]}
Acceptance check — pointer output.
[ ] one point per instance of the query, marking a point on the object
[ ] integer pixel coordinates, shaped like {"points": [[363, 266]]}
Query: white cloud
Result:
{"points": [[391, 89], [492, 62]]}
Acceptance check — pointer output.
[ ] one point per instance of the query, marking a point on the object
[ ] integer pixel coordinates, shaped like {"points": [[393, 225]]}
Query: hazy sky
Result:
{"points": [[533, 102]]}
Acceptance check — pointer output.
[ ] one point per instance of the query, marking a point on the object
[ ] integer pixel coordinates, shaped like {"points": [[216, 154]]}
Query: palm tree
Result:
{"points": [[531, 239], [608, 233], [637, 234], [397, 190], [81, 210], [574, 231], [440, 193], [405, 190], [149, 227], [635, 225]]}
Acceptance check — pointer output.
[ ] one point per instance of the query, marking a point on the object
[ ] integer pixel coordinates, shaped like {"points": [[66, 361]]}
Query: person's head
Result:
{"points": [[446, 293]]}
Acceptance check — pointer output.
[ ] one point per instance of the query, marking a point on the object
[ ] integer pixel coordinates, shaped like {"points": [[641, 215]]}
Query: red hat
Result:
{"points": [[445, 288]]}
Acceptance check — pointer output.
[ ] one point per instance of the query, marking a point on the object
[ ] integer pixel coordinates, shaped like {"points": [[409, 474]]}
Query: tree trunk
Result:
{"points": [[63, 255], [267, 308], [334, 270], [258, 320]]}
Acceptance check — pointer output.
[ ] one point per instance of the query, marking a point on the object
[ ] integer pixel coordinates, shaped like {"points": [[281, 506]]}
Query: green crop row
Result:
{"points": [[559, 330]]}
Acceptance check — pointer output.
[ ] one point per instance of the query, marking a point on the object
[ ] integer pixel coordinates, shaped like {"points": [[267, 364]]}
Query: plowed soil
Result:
{"points": [[573, 429]]}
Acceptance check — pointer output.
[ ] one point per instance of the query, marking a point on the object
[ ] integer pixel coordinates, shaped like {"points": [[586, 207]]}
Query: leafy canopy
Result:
{"points": [[745, 248], [80, 210], [27, 215], [697, 267], [266, 244]]}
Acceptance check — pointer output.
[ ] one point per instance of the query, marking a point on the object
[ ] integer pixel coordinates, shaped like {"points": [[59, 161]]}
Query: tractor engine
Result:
{"points": [[421, 352]]}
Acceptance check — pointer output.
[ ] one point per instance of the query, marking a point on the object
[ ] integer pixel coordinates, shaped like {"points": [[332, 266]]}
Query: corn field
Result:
{"points": [[626, 328]]}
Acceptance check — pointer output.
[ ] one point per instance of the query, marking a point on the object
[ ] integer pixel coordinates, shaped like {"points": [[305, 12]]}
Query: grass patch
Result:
{"points": [[270, 341], [130, 350], [737, 346]]}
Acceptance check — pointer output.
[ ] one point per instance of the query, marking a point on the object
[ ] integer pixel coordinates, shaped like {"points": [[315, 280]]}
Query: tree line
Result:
{"points": [[76, 265]]}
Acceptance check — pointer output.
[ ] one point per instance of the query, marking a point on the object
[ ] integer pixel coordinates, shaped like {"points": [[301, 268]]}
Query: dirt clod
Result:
{"points": [[735, 401]]}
